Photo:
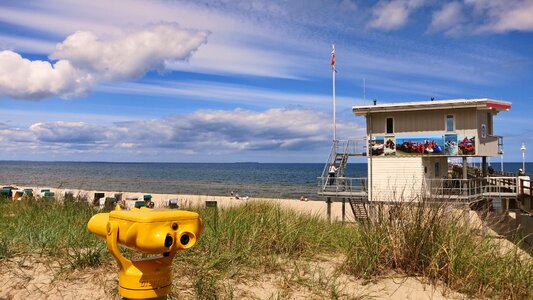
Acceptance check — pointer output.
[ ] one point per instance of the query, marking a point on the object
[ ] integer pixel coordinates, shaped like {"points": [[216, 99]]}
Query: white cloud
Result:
{"points": [[227, 93], [131, 55], [448, 18], [23, 44], [22, 78], [503, 15], [68, 132], [204, 131], [83, 58], [391, 15]]}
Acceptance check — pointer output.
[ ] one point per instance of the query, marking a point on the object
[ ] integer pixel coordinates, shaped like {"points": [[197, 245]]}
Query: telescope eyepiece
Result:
{"points": [[185, 239], [168, 241]]}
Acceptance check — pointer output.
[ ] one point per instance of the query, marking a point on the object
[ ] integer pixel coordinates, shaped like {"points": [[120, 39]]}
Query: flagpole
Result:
{"points": [[334, 104]]}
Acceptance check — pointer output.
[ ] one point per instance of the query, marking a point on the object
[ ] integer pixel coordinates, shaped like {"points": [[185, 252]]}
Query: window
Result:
{"points": [[390, 125], [450, 123], [489, 124], [437, 170]]}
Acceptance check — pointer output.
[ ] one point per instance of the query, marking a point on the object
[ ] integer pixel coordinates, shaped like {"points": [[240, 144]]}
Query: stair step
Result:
{"points": [[359, 210]]}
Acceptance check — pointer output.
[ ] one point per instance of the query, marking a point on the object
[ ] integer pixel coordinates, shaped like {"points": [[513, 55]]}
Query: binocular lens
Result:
{"points": [[184, 240], [168, 241]]}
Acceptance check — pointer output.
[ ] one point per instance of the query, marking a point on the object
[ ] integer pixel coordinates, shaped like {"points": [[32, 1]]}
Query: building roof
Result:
{"points": [[483, 103]]}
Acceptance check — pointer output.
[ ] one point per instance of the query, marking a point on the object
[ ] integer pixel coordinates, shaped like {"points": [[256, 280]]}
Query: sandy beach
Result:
{"points": [[161, 200]]}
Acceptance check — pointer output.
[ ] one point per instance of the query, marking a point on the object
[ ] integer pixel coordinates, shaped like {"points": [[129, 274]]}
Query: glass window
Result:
{"points": [[450, 126], [390, 125], [489, 124]]}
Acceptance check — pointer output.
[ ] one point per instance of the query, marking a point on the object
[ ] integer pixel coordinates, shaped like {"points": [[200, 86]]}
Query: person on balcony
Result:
{"points": [[332, 171]]}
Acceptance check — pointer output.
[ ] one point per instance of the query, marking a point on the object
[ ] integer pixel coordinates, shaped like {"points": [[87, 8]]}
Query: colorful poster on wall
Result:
{"points": [[430, 144], [390, 145], [450, 144], [419, 145], [376, 145], [466, 145]]}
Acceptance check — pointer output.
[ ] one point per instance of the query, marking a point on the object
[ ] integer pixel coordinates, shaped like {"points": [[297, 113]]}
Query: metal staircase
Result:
{"points": [[339, 187], [358, 205], [340, 152]]}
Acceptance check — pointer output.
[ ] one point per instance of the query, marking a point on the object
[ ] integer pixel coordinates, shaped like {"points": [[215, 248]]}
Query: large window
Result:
{"points": [[490, 129], [390, 125], [450, 123]]}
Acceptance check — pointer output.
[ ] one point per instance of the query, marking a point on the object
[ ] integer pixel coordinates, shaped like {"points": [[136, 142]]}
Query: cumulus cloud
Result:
{"points": [[132, 55], [204, 131], [503, 15], [448, 18], [391, 15], [68, 132], [22, 78], [84, 58]]}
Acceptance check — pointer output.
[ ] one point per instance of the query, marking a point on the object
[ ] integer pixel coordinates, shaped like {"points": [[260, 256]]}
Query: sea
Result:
{"points": [[275, 180]]}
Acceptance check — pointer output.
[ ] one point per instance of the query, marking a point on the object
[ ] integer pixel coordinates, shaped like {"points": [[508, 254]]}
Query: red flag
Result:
{"points": [[333, 56]]}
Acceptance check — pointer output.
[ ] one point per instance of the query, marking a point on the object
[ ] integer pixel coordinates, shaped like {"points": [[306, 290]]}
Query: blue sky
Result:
{"points": [[230, 80]]}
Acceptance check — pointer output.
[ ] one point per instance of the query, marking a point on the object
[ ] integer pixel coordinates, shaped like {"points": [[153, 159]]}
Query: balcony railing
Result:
{"points": [[459, 190], [341, 185]]}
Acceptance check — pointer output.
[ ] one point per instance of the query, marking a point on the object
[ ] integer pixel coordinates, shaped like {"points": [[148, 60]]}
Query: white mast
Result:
{"points": [[333, 77]]}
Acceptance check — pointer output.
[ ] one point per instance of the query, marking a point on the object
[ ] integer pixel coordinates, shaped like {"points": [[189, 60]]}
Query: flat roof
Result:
{"points": [[482, 103]]}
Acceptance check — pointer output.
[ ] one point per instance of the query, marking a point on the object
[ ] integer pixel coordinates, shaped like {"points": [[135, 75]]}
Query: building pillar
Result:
{"points": [[484, 166], [465, 167], [465, 176], [328, 209], [343, 210]]}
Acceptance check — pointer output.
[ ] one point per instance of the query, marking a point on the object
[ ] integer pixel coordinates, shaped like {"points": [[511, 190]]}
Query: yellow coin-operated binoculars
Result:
{"points": [[150, 231]]}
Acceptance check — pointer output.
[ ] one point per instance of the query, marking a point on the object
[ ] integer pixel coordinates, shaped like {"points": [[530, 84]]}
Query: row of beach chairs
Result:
{"points": [[18, 194], [99, 200]]}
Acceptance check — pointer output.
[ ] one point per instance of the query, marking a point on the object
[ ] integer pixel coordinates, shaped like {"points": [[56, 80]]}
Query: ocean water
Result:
{"points": [[251, 179]]}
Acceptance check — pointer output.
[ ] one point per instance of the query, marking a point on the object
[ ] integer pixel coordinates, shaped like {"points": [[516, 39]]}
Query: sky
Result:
{"points": [[246, 80]]}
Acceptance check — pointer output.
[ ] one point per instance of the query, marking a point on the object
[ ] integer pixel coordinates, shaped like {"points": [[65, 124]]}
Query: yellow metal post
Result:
{"points": [[148, 231]]}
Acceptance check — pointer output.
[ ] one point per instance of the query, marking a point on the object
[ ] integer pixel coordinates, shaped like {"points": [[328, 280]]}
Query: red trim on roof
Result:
{"points": [[498, 105]]}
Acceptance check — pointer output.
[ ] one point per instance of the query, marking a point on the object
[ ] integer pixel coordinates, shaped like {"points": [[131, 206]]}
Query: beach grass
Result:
{"points": [[434, 242], [49, 227], [258, 238]]}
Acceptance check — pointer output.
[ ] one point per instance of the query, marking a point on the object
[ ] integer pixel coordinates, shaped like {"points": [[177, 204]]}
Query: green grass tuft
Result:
{"points": [[415, 240]]}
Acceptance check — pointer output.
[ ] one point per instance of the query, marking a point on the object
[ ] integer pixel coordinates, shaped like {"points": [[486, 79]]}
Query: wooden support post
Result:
{"points": [[484, 166], [328, 210], [465, 176], [465, 167], [343, 210]]}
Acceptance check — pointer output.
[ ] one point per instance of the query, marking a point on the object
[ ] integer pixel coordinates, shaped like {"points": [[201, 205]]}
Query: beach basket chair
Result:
{"points": [[110, 203], [7, 191], [47, 195], [173, 203], [97, 197], [148, 201]]}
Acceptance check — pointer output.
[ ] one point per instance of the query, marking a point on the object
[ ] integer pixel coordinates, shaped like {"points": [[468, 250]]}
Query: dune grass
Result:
{"points": [[431, 242], [49, 227]]}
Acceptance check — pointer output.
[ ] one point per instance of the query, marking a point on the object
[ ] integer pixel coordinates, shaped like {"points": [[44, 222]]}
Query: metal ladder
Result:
{"points": [[359, 209]]}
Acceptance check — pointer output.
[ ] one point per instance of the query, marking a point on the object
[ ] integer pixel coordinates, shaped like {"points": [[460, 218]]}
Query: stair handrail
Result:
{"points": [[331, 158]]}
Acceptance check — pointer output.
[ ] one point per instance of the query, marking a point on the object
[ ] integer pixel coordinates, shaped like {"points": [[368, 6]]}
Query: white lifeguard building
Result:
{"points": [[410, 143], [408, 146]]}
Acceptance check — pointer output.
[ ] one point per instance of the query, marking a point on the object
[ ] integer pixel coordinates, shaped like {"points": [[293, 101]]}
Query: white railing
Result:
{"points": [[460, 190], [345, 185], [469, 189], [356, 146]]}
